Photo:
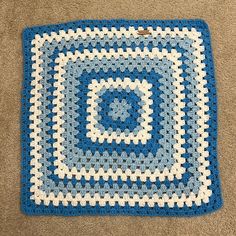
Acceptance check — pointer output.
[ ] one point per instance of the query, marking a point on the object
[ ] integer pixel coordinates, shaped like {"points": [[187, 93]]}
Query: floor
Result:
{"points": [[16, 15]]}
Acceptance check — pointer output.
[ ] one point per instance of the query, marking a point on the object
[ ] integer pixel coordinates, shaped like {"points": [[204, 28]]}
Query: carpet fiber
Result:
{"points": [[16, 15]]}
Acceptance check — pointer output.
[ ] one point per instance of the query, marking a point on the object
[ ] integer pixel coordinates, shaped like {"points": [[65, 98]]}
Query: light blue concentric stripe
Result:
{"points": [[68, 186], [159, 160]]}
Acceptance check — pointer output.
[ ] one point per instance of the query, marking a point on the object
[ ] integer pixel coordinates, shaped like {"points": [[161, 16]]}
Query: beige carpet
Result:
{"points": [[17, 14]]}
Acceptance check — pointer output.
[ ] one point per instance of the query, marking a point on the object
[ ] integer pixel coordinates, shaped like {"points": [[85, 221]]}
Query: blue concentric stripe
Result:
{"points": [[215, 200]]}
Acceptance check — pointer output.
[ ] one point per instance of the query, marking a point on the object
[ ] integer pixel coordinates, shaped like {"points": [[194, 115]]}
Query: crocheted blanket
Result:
{"points": [[119, 117]]}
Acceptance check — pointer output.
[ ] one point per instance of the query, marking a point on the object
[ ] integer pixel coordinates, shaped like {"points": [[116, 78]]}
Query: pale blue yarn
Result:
{"points": [[161, 188]]}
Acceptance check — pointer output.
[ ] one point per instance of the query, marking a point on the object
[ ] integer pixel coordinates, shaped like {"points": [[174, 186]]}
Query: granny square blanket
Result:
{"points": [[119, 117]]}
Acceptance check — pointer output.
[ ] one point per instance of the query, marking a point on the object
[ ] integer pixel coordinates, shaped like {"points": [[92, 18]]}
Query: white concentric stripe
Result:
{"points": [[176, 170], [94, 133], [38, 41], [131, 31], [107, 199]]}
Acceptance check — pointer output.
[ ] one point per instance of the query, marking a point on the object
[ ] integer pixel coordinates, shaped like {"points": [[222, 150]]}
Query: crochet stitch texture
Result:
{"points": [[114, 122]]}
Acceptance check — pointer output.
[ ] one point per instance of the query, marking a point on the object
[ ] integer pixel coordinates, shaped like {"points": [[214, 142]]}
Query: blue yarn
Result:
{"points": [[29, 207]]}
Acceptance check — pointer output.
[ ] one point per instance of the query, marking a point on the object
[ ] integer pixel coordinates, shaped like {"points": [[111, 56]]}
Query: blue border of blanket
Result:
{"points": [[30, 208]]}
